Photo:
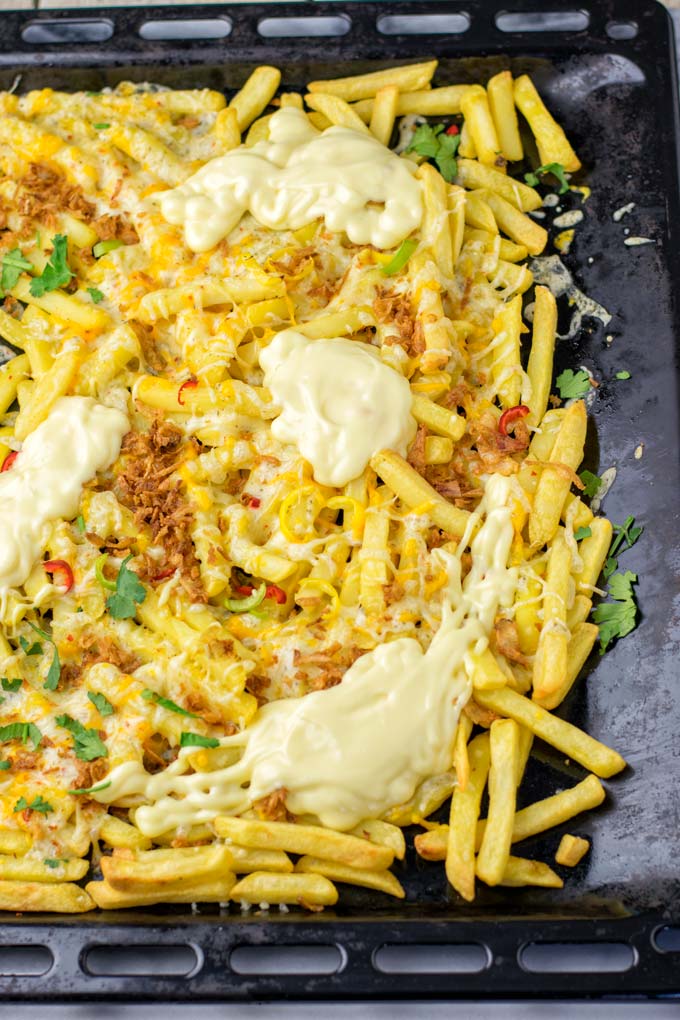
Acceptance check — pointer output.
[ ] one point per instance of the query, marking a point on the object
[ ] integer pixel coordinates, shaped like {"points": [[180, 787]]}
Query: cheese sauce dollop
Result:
{"points": [[78, 438], [340, 403], [355, 750], [349, 178]]}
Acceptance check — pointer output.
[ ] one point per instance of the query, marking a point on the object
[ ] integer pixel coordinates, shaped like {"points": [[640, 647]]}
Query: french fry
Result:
{"points": [[478, 212], [556, 477], [434, 103], [474, 175], [495, 849], [475, 108], [429, 796], [384, 112], [540, 364], [267, 887], [553, 146], [499, 91], [487, 673], [579, 648], [465, 805], [524, 743], [593, 552], [41, 897], [245, 860], [438, 419], [305, 839], [461, 759], [409, 78], [159, 867], [254, 97], [337, 110], [14, 841], [550, 664], [416, 492], [383, 881], [519, 871], [571, 851], [207, 890], [576, 744], [118, 833], [384, 833], [31, 869], [519, 228], [432, 844]]}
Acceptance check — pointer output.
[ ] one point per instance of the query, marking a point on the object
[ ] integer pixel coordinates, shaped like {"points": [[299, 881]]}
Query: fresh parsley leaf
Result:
{"points": [[54, 672], [618, 618], [435, 144], [591, 483], [54, 862], [129, 593], [30, 649], [14, 263], [57, 272], [166, 703], [87, 743], [37, 804], [101, 127], [197, 740], [582, 533], [573, 384], [21, 731], [101, 703], [11, 685], [556, 169], [625, 536], [95, 294], [622, 375], [5, 765], [93, 789]]}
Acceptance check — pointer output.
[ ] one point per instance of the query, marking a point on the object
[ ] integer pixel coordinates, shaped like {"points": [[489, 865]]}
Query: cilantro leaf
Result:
{"points": [[87, 744], [21, 731], [5, 765], [166, 703], [37, 804], [625, 536], [54, 862], [14, 263], [101, 703], [581, 533], [11, 685], [618, 618], [573, 384], [101, 127], [54, 672], [196, 740], [556, 169], [95, 294], [93, 789], [30, 649], [57, 272], [623, 374], [435, 144], [129, 593], [591, 483]]}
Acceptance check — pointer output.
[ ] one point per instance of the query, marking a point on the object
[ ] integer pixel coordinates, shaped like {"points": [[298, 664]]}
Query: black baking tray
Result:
{"points": [[612, 83]]}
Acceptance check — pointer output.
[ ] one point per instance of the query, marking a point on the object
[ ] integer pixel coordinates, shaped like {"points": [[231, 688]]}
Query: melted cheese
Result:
{"points": [[349, 178], [78, 438], [340, 403], [357, 749]]}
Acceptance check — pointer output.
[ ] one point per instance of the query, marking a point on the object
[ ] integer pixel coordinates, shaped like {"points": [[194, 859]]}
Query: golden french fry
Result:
{"points": [[475, 108], [432, 844], [267, 887], [571, 851], [576, 744], [383, 881], [465, 805], [118, 833], [499, 91], [384, 833], [540, 365], [461, 759], [409, 78], [495, 849], [305, 839], [593, 552], [553, 146], [579, 648], [520, 228], [14, 841], [144, 867], [31, 869], [254, 97], [524, 742], [336, 109], [520, 871], [384, 112], [32, 897], [478, 214], [486, 671], [438, 419], [246, 860], [416, 492], [207, 890], [474, 175], [429, 796], [550, 664], [435, 102], [557, 476]]}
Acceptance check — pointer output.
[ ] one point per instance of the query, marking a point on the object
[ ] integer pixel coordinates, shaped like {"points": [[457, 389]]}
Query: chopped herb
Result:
{"points": [[14, 263], [582, 533], [591, 483], [556, 169], [129, 593], [625, 536], [21, 731], [54, 672], [57, 272], [11, 685], [101, 703], [54, 862], [5, 765], [93, 789], [80, 524], [573, 384], [37, 804], [622, 375], [30, 649], [95, 294], [104, 247], [196, 740], [166, 703], [88, 744], [101, 127], [618, 618], [39, 631], [435, 144], [400, 257]]}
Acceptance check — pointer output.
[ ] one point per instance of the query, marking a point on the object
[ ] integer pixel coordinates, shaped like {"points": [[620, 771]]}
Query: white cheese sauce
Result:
{"points": [[78, 438], [340, 403], [347, 177], [357, 749]]}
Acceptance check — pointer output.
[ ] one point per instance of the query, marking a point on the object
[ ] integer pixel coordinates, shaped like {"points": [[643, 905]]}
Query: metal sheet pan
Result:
{"points": [[618, 101]]}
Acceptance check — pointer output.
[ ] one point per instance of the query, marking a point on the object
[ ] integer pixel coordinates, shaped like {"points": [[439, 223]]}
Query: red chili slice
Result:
{"points": [[9, 460], [61, 572], [252, 502], [243, 589], [274, 592], [164, 574], [452, 129], [189, 384], [509, 417]]}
